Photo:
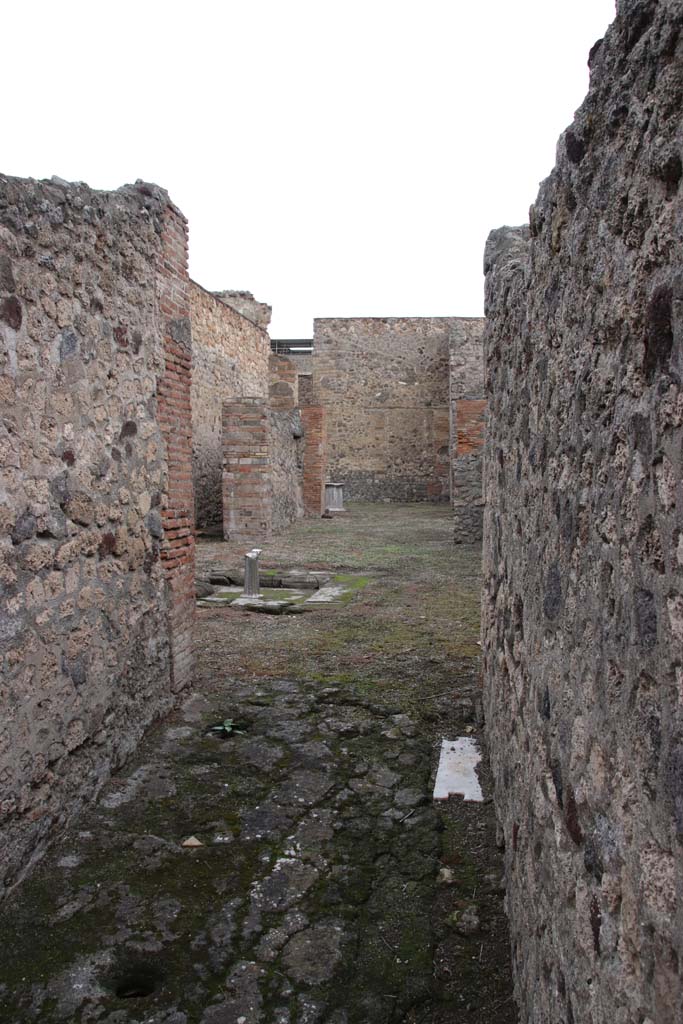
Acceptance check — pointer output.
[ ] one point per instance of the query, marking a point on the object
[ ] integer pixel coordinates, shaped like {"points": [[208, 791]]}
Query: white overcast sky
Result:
{"points": [[335, 157]]}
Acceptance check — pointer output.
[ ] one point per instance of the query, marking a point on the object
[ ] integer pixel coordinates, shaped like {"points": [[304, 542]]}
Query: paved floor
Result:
{"points": [[320, 885]]}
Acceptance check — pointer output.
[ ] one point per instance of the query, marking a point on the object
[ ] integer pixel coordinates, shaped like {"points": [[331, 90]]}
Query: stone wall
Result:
{"points": [[583, 590], [384, 386], [305, 388], [286, 443], [467, 413], [391, 388], [230, 362], [96, 506], [244, 302]]}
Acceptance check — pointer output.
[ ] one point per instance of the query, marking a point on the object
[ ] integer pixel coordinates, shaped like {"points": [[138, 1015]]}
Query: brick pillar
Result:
{"points": [[175, 418], [315, 459], [247, 485], [469, 424]]}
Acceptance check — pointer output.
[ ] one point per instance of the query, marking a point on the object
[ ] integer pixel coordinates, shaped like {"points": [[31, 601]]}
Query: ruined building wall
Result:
{"points": [[384, 386], [583, 590], [96, 506], [286, 443], [467, 415], [230, 362], [244, 302]]}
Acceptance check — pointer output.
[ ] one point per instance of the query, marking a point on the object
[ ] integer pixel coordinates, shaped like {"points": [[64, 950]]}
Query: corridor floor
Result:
{"points": [[322, 885]]}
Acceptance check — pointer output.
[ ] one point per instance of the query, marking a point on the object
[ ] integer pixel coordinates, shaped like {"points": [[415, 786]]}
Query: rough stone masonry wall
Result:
{"points": [[384, 386], [230, 362], [96, 548], [286, 443], [583, 597], [467, 413]]}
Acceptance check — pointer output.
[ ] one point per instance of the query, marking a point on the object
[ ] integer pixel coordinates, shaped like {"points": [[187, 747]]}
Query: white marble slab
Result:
{"points": [[456, 773], [327, 594]]}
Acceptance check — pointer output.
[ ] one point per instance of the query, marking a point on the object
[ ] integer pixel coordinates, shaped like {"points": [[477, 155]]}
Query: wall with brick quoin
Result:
{"points": [[583, 556], [96, 505], [230, 355], [174, 411]]}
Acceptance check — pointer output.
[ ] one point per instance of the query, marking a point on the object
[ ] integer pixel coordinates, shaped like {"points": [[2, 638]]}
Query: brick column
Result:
{"points": [[315, 459], [175, 418], [247, 486]]}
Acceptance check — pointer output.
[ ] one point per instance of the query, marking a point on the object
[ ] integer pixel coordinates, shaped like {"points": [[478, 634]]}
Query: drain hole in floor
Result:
{"points": [[136, 981]]}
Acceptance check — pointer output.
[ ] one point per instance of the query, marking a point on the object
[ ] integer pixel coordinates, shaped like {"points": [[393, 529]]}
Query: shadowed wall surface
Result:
{"points": [[583, 556]]}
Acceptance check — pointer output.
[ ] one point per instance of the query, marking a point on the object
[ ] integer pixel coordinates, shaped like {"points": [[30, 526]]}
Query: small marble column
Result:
{"points": [[251, 573]]}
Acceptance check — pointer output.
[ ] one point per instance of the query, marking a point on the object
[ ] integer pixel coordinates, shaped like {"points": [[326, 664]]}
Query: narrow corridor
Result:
{"points": [[272, 852]]}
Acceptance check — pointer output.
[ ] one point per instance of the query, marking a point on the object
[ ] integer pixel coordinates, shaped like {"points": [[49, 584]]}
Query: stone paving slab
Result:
{"points": [[306, 899]]}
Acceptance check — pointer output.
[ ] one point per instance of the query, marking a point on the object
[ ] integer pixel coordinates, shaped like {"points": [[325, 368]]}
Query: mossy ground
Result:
{"points": [[315, 781]]}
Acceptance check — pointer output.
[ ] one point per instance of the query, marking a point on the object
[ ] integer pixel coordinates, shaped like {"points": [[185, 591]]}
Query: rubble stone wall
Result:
{"points": [[305, 388], [96, 506], [384, 386], [230, 362], [467, 414], [390, 388], [583, 560]]}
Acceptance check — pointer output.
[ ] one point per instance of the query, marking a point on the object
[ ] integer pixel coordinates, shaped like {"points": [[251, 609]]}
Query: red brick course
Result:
{"points": [[175, 418], [315, 459]]}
